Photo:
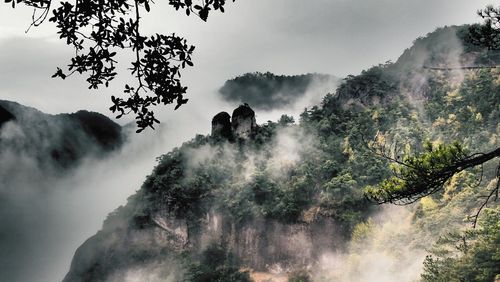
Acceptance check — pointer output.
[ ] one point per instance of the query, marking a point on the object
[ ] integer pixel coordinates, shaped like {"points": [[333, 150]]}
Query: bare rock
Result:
{"points": [[243, 121], [221, 126]]}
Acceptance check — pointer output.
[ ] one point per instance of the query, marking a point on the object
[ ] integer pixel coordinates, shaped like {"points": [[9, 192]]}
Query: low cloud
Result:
{"points": [[382, 250], [46, 216]]}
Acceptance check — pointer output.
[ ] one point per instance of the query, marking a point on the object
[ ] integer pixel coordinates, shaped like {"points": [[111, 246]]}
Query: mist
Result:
{"points": [[46, 216], [382, 249]]}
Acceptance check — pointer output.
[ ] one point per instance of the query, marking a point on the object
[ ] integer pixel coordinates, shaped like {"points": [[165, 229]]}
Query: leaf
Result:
{"points": [[59, 73]]}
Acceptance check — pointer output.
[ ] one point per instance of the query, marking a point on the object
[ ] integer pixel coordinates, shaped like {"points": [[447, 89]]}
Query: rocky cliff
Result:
{"points": [[241, 125], [246, 196]]}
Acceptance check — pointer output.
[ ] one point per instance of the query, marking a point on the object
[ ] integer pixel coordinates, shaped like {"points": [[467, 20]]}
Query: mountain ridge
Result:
{"points": [[62, 138], [264, 202]]}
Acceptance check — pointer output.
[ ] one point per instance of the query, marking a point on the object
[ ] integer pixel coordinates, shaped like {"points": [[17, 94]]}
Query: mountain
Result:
{"points": [[267, 91], [44, 177], [284, 200], [56, 141]]}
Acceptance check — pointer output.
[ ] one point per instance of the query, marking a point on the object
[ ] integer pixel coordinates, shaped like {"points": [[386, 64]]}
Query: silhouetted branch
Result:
{"points": [[425, 174], [493, 194]]}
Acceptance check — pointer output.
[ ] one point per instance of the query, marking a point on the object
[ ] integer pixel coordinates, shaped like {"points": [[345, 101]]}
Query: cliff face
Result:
{"points": [[267, 244], [259, 244], [245, 196]]}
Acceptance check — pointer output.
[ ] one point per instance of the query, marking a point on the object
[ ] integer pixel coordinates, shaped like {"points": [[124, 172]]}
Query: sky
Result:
{"points": [[337, 37]]}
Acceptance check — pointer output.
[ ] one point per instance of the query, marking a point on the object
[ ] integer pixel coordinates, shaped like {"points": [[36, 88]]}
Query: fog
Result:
{"points": [[282, 36], [384, 251], [47, 216]]}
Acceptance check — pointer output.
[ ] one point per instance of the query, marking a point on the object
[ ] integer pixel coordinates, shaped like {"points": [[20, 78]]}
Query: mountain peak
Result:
{"points": [[241, 125]]}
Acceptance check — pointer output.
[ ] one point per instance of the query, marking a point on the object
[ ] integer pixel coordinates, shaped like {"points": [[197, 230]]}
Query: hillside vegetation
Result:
{"points": [[267, 91], [289, 199]]}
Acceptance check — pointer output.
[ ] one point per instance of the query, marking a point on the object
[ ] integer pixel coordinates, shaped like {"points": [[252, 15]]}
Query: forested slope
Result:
{"points": [[282, 198], [56, 141]]}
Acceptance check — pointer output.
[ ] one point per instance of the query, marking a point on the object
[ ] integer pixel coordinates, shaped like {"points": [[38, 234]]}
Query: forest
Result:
{"points": [[295, 151], [299, 200]]}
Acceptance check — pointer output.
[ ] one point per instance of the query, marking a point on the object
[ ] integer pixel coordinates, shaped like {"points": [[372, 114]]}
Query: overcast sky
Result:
{"points": [[338, 37]]}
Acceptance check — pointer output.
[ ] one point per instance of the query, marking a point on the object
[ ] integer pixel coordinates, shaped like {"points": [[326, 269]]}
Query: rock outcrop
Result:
{"points": [[260, 244], [263, 244], [243, 121], [241, 125], [221, 126]]}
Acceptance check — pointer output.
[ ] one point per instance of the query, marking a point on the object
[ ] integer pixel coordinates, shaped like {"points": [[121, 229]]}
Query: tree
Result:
{"points": [[419, 175], [423, 174], [97, 29], [487, 34], [473, 256]]}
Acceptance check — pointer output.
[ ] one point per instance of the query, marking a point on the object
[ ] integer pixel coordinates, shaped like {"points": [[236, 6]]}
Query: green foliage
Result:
{"points": [[335, 185], [419, 175], [332, 171], [465, 111], [486, 34], [254, 180], [372, 84], [286, 120], [362, 231], [216, 265], [473, 256], [442, 48]]}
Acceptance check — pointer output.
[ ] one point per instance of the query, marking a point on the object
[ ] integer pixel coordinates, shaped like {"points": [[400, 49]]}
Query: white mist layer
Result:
{"points": [[313, 96], [46, 218], [385, 254]]}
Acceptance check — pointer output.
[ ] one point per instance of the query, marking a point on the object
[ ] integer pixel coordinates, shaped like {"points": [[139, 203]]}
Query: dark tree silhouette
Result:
{"points": [[97, 29], [488, 33]]}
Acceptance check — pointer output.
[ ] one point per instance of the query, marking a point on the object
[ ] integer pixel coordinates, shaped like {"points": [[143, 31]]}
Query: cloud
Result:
{"points": [[45, 216], [287, 37], [383, 253]]}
